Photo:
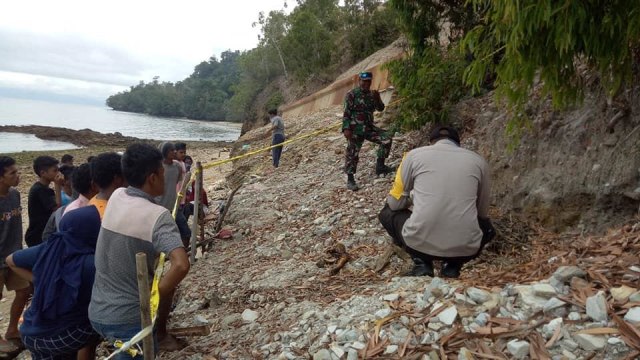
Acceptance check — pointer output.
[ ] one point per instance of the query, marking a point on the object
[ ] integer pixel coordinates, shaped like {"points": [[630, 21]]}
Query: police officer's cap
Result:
{"points": [[366, 75], [442, 132]]}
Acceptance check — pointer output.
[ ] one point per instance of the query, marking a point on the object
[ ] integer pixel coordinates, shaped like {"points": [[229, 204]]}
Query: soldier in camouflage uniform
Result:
{"points": [[357, 126]]}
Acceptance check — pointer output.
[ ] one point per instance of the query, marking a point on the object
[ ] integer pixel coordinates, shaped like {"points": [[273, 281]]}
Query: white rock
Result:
{"points": [[574, 316], [449, 315], [322, 354], [201, 320], [553, 303], [249, 315], [635, 297], [567, 354], [633, 316], [436, 288], [332, 328], [358, 345], [359, 232], [550, 328], [544, 290], [597, 307], [565, 273], [622, 293], [382, 313], [390, 297], [352, 354], [482, 319], [463, 299], [337, 350], [479, 296], [391, 349], [518, 348], [615, 341], [465, 354], [590, 342], [634, 268], [528, 298], [569, 344]]}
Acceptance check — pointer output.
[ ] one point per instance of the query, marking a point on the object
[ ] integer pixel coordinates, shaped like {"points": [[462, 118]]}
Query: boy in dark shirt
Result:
{"points": [[10, 241], [43, 201]]}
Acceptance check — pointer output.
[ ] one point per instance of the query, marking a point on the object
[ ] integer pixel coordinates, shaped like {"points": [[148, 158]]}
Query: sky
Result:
{"points": [[85, 51]]}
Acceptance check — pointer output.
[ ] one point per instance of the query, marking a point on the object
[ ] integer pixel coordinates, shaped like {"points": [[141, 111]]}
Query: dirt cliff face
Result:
{"points": [[569, 172]]}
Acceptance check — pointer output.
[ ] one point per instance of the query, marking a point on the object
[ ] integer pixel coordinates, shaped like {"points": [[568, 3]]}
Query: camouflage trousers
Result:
{"points": [[373, 134]]}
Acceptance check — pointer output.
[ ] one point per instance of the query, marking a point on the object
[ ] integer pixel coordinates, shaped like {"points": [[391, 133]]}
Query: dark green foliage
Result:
{"points": [[421, 21], [274, 101], [428, 84], [201, 96], [553, 42], [429, 80], [369, 27]]}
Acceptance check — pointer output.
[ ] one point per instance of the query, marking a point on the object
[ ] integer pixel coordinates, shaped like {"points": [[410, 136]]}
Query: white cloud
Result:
{"points": [[76, 46]]}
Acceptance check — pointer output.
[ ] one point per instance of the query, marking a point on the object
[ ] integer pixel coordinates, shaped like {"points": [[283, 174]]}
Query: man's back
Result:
{"points": [[132, 224], [450, 189]]}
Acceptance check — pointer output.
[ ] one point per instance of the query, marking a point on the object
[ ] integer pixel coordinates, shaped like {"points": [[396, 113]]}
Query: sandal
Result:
{"points": [[11, 348]]}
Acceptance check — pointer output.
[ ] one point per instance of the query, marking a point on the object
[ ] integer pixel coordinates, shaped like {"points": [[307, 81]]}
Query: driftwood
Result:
{"points": [[225, 210], [200, 330], [384, 259], [616, 119], [335, 255]]}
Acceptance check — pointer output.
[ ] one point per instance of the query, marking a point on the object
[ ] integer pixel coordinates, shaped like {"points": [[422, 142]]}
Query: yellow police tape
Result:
{"points": [[254, 152], [155, 295]]}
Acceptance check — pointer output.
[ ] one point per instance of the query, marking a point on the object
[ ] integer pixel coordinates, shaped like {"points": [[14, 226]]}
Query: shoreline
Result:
{"points": [[87, 137]]}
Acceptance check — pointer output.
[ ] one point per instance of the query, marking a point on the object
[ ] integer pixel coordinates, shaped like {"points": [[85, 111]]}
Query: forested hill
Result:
{"points": [[305, 50]]}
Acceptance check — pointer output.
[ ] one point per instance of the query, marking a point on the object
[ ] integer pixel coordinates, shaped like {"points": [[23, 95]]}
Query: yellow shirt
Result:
{"points": [[100, 204]]}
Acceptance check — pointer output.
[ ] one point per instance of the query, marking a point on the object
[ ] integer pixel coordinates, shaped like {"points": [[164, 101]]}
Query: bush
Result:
{"points": [[428, 83]]}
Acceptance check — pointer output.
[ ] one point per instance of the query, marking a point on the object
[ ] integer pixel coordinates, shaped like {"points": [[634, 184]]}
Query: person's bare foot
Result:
{"points": [[169, 343]]}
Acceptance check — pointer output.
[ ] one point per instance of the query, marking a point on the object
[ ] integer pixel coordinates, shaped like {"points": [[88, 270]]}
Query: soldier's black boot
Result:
{"points": [[421, 268], [351, 183], [450, 270], [381, 168]]}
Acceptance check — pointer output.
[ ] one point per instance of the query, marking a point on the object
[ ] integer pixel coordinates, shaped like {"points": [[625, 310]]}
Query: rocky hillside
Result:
{"points": [[310, 273]]}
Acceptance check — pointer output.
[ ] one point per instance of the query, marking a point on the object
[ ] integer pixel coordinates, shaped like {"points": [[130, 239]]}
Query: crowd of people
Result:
{"points": [[84, 234]]}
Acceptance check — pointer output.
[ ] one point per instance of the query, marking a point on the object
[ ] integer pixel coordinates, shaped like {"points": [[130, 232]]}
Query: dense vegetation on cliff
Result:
{"points": [[311, 43], [461, 47]]}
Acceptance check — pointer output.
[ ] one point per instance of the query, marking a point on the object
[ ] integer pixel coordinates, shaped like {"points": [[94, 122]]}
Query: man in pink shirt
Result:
{"points": [[82, 183]]}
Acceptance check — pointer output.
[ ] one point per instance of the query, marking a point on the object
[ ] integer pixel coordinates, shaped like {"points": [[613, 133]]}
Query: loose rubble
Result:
{"points": [[530, 295]]}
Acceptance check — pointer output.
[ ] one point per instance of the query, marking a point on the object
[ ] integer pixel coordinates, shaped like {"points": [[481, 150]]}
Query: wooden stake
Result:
{"points": [[196, 212], [144, 291]]}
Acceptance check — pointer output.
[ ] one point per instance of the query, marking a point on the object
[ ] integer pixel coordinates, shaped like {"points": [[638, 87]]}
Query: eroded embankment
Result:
{"points": [[271, 292]]}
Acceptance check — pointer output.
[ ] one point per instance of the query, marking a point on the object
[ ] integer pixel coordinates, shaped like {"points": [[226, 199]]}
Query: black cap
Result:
{"points": [[441, 132]]}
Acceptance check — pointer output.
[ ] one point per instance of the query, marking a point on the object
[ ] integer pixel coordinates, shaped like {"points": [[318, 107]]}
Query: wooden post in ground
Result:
{"points": [[196, 212], [144, 291]]}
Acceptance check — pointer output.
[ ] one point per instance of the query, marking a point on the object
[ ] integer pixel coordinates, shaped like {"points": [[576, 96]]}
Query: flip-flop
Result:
{"points": [[11, 348]]}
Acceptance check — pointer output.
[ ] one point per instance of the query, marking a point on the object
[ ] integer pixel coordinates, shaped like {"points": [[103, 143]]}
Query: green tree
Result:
{"points": [[551, 41]]}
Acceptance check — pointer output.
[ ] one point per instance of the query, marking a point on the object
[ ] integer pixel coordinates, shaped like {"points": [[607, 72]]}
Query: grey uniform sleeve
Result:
{"points": [[484, 192], [166, 236], [398, 197]]}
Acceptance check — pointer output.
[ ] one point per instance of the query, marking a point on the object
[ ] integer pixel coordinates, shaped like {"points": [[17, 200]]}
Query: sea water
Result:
{"points": [[101, 119]]}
